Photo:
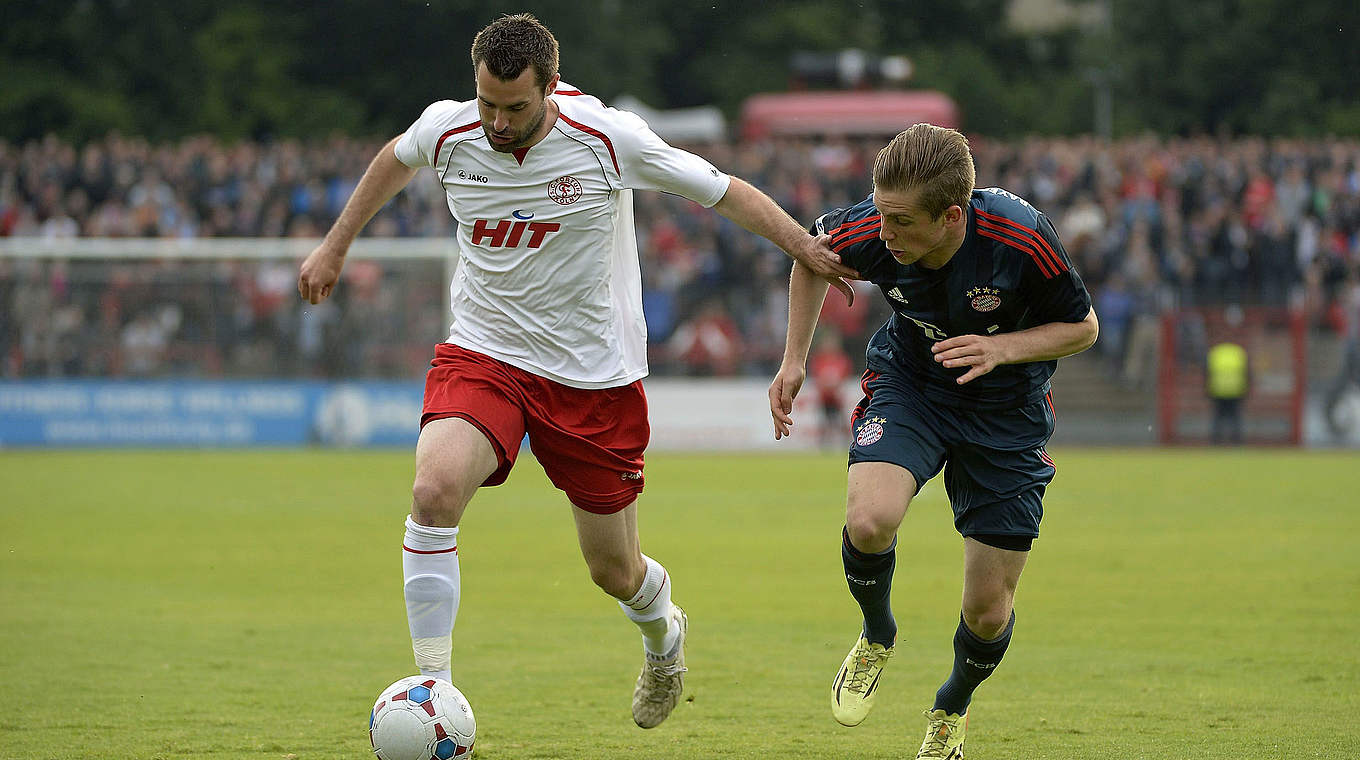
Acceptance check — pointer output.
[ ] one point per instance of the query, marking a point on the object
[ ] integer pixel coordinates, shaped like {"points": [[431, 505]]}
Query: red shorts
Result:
{"points": [[590, 442]]}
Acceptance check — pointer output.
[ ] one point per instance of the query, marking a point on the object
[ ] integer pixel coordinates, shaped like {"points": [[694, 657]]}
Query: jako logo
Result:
{"points": [[507, 233]]}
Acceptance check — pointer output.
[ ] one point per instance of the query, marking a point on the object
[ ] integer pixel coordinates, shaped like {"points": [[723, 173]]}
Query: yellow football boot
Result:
{"points": [[944, 736], [852, 693]]}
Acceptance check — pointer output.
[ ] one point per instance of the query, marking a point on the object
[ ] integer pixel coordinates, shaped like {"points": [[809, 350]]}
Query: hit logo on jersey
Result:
{"points": [[509, 233]]}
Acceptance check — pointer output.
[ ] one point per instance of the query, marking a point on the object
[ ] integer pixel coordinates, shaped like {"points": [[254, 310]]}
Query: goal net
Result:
{"points": [[217, 308]]}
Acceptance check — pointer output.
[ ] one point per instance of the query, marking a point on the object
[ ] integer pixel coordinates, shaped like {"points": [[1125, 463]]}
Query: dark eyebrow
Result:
{"points": [[519, 104]]}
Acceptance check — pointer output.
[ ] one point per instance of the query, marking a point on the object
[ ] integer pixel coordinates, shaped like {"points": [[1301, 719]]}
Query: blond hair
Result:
{"points": [[935, 160]]}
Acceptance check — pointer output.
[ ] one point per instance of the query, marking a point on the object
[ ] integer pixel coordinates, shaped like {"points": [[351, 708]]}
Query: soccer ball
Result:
{"points": [[419, 718]]}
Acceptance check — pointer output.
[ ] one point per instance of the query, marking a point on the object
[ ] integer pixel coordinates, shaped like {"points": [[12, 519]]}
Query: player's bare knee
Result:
{"points": [[435, 501], [987, 621], [869, 531]]}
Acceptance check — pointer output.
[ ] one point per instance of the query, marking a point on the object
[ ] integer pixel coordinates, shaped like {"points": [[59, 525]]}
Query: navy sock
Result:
{"points": [[870, 579], [974, 660]]}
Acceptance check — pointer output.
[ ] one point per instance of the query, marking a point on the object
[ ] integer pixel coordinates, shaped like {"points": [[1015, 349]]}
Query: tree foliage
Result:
{"points": [[254, 68], [1238, 66]]}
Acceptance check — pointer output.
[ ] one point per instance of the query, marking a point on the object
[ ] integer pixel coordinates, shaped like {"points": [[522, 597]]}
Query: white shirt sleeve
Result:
{"points": [[416, 147], [648, 163]]}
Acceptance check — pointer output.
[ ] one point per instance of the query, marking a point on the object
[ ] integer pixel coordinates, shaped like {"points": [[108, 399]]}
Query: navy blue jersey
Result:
{"points": [[1011, 273]]}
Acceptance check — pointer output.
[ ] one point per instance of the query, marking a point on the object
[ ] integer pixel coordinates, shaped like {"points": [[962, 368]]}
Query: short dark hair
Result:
{"points": [[936, 160], [511, 44]]}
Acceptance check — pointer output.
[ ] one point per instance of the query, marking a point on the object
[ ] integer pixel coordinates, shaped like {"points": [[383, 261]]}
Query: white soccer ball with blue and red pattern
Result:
{"points": [[419, 718]]}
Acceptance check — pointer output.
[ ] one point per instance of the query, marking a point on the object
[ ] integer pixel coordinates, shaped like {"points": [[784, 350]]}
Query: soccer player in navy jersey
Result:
{"points": [[985, 301]]}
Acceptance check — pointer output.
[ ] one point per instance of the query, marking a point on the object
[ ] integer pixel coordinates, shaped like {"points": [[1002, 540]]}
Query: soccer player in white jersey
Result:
{"points": [[548, 335]]}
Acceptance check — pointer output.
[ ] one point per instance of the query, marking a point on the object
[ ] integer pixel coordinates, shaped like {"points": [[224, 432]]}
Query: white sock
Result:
{"points": [[650, 609], [429, 564]]}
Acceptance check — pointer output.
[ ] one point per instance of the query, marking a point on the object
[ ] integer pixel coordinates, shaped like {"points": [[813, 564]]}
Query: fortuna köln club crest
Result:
{"points": [[565, 190], [983, 298]]}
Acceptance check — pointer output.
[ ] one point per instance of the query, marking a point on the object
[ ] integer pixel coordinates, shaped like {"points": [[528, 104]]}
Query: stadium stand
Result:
{"points": [[1152, 224]]}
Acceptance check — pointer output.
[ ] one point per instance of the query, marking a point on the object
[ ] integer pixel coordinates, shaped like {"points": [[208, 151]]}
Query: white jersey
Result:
{"points": [[549, 279]]}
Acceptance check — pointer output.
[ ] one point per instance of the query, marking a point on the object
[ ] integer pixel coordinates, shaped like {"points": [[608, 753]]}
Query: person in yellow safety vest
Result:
{"points": [[1227, 380]]}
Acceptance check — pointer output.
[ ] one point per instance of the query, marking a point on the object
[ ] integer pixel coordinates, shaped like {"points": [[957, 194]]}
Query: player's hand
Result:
{"points": [[818, 257], [979, 353], [782, 392], [319, 273]]}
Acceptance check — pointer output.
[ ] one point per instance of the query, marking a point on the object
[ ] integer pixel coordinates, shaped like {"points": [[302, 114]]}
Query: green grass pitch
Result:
{"points": [[1180, 604]]}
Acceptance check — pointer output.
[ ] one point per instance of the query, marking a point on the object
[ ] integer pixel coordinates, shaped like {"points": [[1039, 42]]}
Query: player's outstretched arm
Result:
{"points": [[983, 353], [757, 212], [384, 178], [807, 291]]}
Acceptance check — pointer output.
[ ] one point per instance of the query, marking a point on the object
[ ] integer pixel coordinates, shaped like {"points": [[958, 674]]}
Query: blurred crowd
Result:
{"points": [[1150, 223]]}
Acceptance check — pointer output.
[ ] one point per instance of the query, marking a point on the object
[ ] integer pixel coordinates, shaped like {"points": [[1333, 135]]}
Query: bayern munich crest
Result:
{"points": [[983, 298], [565, 190], [870, 432]]}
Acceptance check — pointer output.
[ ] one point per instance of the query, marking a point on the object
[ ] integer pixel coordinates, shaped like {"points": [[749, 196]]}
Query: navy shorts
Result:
{"points": [[995, 466]]}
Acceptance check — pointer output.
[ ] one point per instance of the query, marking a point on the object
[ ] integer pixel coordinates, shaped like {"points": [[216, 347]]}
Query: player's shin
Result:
{"points": [[650, 608], [429, 561], [974, 660], [662, 678], [869, 577]]}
